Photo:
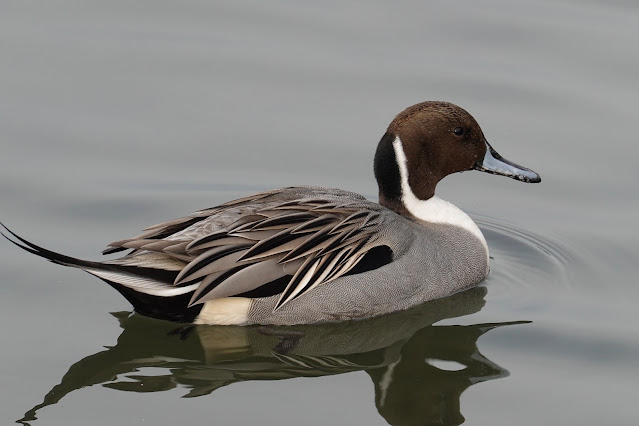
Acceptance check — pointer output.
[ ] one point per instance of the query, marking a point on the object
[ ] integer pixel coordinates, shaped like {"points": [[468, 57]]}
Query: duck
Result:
{"points": [[309, 254]]}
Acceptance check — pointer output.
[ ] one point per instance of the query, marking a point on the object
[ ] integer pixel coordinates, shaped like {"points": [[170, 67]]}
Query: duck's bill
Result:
{"points": [[498, 165]]}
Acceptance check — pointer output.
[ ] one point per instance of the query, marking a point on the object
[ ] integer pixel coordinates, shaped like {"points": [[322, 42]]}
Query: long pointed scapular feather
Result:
{"points": [[317, 249], [298, 282], [205, 259], [282, 221], [274, 241], [244, 280], [219, 242], [220, 264], [315, 224], [210, 282], [309, 245]]}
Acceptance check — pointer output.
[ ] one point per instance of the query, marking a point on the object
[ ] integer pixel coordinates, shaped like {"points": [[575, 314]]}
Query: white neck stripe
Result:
{"points": [[433, 210]]}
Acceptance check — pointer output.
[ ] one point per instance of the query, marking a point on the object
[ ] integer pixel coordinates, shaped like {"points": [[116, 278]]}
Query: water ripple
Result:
{"points": [[520, 258]]}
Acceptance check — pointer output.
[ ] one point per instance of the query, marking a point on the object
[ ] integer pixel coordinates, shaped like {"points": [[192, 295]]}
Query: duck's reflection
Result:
{"points": [[402, 354]]}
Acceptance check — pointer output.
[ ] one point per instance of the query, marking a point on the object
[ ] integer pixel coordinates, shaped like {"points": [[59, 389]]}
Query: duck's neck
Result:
{"points": [[396, 193]]}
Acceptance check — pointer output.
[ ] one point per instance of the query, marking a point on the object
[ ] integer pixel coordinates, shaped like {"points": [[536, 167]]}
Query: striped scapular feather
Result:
{"points": [[240, 246]]}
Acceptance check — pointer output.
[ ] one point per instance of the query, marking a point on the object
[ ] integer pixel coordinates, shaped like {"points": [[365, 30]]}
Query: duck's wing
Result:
{"points": [[176, 231], [260, 245]]}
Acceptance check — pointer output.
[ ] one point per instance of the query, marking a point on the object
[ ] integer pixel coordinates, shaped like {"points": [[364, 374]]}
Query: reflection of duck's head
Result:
{"points": [[204, 358], [437, 365]]}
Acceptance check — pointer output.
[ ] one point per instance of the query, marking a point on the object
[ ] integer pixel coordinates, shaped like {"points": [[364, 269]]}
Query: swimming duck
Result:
{"points": [[313, 254]]}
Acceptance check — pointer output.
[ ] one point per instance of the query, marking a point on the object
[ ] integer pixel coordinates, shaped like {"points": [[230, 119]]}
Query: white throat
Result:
{"points": [[433, 210]]}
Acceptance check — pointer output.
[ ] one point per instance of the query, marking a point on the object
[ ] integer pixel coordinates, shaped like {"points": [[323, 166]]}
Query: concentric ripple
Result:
{"points": [[520, 258]]}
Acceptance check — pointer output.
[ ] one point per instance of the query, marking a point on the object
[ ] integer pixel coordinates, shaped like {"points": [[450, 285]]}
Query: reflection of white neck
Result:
{"points": [[433, 210]]}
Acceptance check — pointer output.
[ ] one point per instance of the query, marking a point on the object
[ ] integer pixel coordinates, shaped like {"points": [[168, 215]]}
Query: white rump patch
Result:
{"points": [[433, 210], [225, 311]]}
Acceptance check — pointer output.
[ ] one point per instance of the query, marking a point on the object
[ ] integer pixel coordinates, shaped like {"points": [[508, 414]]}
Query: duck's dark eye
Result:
{"points": [[458, 131]]}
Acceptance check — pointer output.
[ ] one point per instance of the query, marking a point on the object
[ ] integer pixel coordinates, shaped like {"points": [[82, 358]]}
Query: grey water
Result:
{"points": [[118, 115]]}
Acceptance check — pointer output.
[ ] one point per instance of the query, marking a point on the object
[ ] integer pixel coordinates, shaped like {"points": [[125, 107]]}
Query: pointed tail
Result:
{"points": [[150, 290]]}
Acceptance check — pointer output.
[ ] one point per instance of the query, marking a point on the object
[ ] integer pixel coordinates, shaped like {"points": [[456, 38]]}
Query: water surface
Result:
{"points": [[115, 116]]}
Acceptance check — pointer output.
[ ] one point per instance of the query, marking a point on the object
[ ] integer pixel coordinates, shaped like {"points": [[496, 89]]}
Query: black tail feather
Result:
{"points": [[161, 275], [171, 308], [51, 256]]}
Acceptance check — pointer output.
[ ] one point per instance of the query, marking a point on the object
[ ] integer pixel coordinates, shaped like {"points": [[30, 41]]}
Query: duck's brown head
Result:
{"points": [[429, 141]]}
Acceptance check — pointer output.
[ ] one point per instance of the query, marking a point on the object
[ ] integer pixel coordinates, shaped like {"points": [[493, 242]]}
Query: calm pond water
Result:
{"points": [[118, 115]]}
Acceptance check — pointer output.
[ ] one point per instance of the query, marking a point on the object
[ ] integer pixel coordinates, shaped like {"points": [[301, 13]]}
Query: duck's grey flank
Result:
{"points": [[311, 254]]}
